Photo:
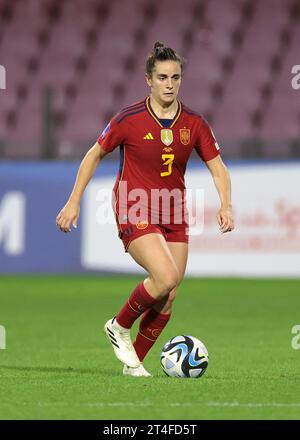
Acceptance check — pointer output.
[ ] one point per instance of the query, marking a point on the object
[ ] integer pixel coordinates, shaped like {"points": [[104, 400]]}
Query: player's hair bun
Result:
{"points": [[162, 53], [158, 45]]}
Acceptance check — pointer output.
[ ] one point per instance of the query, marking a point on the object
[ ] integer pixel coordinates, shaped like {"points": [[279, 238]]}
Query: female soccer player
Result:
{"points": [[156, 137]]}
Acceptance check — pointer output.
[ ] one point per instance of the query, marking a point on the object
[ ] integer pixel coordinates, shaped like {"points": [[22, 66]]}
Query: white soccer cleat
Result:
{"points": [[121, 343], [138, 372]]}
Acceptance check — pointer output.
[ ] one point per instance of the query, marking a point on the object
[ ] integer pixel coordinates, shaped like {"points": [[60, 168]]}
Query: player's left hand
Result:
{"points": [[225, 220]]}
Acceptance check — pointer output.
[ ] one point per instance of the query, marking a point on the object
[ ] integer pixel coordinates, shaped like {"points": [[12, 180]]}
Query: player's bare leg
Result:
{"points": [[154, 320], [179, 252], [151, 252]]}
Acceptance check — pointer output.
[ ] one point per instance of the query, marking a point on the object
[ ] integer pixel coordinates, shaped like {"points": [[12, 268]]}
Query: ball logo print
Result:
{"points": [[2, 338], [184, 356]]}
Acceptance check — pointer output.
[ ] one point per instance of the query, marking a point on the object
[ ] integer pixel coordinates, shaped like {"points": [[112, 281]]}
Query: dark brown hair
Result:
{"points": [[162, 53]]}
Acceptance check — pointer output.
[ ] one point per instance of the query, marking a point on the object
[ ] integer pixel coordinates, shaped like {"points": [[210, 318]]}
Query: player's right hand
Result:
{"points": [[68, 216]]}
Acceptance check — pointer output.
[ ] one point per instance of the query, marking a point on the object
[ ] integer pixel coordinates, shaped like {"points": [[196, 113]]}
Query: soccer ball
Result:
{"points": [[184, 356]]}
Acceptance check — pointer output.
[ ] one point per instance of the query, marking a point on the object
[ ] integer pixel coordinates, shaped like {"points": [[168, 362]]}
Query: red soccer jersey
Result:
{"points": [[151, 155]]}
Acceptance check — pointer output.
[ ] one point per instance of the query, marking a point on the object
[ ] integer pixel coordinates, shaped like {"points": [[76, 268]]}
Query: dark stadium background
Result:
{"points": [[69, 66], [73, 64]]}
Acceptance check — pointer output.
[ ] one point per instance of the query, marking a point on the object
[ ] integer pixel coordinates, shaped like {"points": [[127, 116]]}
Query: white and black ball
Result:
{"points": [[184, 356]]}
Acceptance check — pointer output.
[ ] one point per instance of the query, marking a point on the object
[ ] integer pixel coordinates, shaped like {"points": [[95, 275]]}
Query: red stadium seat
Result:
{"points": [[92, 53]]}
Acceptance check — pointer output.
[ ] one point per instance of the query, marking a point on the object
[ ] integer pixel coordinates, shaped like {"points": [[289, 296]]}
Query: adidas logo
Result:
{"points": [[112, 338], [148, 136]]}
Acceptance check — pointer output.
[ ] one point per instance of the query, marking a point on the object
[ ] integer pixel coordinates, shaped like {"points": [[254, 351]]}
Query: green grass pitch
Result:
{"points": [[58, 365]]}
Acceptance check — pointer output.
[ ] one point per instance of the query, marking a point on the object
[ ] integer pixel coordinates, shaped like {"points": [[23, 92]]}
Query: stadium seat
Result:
{"points": [[238, 72]]}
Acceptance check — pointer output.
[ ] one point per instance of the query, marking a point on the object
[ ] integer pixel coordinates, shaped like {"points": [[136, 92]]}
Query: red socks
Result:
{"points": [[152, 322], [151, 326], [138, 302]]}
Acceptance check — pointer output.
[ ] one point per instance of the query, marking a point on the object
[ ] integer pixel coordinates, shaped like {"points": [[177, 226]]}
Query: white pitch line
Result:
{"points": [[254, 405], [173, 404]]}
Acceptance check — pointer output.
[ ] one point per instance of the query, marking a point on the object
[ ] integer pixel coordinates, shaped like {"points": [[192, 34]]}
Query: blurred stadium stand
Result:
{"points": [[72, 64]]}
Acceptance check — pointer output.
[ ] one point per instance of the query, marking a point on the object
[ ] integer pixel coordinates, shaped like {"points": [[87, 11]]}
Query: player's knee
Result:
{"points": [[167, 282], [171, 281]]}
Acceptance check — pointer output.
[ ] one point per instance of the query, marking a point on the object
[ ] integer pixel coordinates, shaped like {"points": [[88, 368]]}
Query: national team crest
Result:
{"points": [[166, 136], [185, 136]]}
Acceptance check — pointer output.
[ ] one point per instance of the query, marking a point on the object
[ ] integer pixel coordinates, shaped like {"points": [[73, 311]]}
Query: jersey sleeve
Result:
{"points": [[207, 147], [112, 136]]}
